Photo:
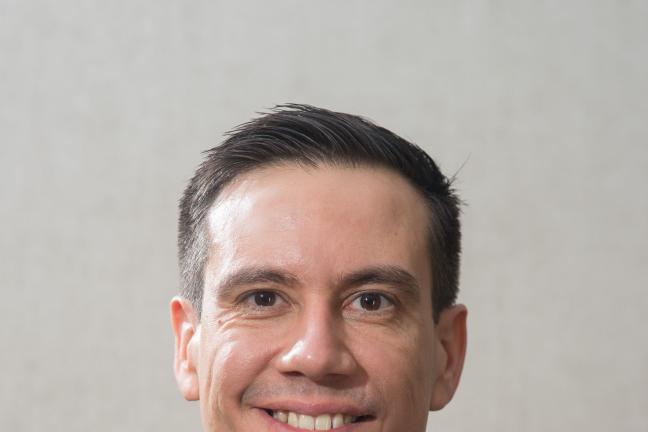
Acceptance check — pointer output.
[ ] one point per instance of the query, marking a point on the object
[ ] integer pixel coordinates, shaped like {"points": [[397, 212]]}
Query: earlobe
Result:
{"points": [[451, 352], [186, 330]]}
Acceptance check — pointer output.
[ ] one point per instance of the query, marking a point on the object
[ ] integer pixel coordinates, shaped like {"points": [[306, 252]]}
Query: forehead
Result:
{"points": [[325, 218]]}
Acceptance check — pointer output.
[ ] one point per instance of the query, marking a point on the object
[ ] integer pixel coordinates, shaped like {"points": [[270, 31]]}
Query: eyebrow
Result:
{"points": [[254, 275], [394, 276], [391, 275]]}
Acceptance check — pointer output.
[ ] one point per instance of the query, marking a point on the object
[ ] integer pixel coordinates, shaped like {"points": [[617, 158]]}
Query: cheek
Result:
{"points": [[400, 365], [231, 359]]}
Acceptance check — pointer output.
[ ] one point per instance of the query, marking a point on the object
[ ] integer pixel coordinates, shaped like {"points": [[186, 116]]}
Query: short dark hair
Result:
{"points": [[312, 136]]}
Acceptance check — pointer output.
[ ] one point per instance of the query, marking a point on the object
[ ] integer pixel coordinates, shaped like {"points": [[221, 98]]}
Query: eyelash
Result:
{"points": [[390, 301], [249, 298]]}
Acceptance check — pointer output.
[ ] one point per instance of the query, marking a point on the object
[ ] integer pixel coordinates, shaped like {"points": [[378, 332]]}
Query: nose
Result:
{"points": [[317, 348]]}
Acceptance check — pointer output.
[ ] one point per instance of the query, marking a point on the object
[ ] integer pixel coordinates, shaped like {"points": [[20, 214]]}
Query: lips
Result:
{"points": [[308, 422], [283, 413], [297, 415]]}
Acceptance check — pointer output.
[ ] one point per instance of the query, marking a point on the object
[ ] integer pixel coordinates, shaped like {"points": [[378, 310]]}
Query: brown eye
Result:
{"points": [[265, 298], [263, 303], [371, 302]]}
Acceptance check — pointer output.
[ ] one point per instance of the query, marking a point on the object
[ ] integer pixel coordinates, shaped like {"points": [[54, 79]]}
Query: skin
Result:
{"points": [[308, 243]]}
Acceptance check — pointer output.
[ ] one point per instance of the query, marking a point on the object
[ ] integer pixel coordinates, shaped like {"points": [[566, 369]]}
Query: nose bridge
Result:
{"points": [[316, 346]]}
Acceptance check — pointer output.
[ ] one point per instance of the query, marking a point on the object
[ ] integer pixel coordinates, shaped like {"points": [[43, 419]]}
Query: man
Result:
{"points": [[319, 256]]}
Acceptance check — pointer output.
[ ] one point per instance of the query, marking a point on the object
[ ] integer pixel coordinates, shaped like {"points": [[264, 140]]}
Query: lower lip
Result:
{"points": [[274, 425]]}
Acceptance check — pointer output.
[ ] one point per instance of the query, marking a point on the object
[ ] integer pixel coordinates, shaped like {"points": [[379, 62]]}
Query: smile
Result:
{"points": [[320, 422]]}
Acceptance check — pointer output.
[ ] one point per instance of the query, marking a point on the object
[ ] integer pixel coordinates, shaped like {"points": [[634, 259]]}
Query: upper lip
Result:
{"points": [[316, 408]]}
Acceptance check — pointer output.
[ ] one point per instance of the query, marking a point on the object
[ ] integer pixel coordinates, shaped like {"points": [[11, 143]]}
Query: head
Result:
{"points": [[319, 258]]}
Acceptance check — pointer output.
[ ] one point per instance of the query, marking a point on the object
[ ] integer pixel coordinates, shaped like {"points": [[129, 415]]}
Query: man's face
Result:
{"points": [[317, 306]]}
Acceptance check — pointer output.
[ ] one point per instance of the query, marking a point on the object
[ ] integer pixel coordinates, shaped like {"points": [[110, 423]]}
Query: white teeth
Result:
{"points": [[323, 422], [282, 416], [306, 422], [293, 420]]}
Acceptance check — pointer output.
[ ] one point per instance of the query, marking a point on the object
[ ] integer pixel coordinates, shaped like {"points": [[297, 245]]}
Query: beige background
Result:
{"points": [[106, 105]]}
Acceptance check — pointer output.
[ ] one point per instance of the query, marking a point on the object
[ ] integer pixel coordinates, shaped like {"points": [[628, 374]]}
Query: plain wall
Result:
{"points": [[541, 107]]}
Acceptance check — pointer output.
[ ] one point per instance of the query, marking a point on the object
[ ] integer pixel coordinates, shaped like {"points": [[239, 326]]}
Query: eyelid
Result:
{"points": [[248, 295], [392, 301]]}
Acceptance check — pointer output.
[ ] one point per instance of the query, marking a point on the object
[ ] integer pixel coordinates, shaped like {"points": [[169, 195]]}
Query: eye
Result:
{"points": [[263, 299], [372, 302]]}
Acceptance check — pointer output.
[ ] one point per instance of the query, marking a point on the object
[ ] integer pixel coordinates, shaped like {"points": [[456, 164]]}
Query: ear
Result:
{"points": [[186, 329], [451, 352]]}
